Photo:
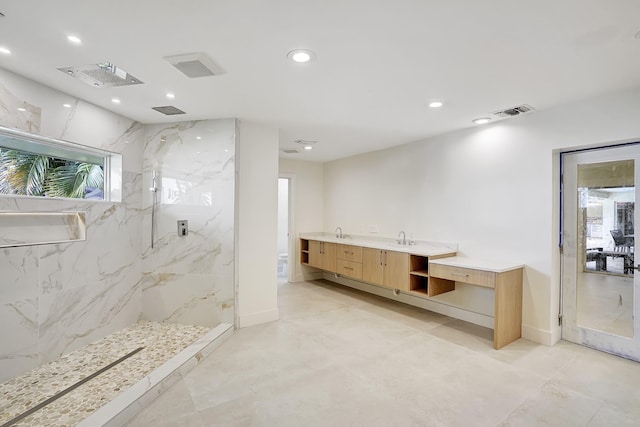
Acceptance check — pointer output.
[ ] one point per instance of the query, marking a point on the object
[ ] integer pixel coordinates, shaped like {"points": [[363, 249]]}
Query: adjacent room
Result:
{"points": [[286, 213]]}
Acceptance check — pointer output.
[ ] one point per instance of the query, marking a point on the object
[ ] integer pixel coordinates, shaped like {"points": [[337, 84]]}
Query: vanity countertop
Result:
{"points": [[477, 264], [422, 248]]}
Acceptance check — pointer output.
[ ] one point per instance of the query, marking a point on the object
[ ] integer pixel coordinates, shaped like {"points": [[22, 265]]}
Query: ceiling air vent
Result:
{"points": [[194, 65], [168, 110], [514, 111], [104, 74], [290, 151]]}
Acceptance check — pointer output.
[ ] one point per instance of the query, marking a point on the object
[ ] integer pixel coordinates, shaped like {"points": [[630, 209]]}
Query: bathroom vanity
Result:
{"points": [[428, 271]]}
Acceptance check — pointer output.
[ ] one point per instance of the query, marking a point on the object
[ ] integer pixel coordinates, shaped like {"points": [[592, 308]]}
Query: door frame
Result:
{"points": [[291, 249], [588, 333]]}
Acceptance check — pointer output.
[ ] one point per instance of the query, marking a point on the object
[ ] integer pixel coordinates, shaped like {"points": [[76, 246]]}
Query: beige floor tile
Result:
{"points": [[339, 357]]}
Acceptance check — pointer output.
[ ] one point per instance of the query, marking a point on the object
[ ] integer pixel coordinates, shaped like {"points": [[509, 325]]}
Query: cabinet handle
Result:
{"points": [[348, 253], [459, 274], [321, 247], [381, 258], [348, 268], [385, 258]]}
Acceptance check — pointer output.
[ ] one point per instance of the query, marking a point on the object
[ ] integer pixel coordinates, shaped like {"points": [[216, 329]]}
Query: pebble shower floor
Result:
{"points": [[161, 342]]}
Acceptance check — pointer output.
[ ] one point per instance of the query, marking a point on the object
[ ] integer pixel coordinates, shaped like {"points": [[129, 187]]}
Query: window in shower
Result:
{"points": [[31, 165]]}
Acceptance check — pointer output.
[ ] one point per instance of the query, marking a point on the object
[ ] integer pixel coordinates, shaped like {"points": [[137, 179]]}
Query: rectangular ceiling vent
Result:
{"points": [[168, 110], [104, 74], [194, 65], [513, 111], [290, 151]]}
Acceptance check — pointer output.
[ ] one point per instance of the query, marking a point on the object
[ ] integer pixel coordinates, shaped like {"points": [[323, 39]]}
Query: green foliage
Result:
{"points": [[37, 175]]}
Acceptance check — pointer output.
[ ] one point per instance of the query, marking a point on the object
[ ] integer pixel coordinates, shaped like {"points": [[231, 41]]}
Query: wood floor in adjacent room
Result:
{"points": [[340, 357]]}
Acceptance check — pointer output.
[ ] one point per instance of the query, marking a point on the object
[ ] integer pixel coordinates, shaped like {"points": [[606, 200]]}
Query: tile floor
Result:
{"points": [[161, 341], [339, 357]]}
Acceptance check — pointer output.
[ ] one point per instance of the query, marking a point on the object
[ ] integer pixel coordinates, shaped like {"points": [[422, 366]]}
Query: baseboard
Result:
{"points": [[540, 336], [437, 307], [258, 318], [305, 277]]}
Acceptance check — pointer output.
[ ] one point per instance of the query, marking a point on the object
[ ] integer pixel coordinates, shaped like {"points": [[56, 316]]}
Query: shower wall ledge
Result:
{"points": [[41, 228]]}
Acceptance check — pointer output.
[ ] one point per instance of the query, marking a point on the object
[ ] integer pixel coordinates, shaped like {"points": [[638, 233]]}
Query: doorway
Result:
{"points": [[284, 224], [599, 280]]}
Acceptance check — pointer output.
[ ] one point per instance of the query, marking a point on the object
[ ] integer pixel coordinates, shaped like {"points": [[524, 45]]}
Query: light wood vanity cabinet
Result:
{"points": [[427, 276], [349, 261], [322, 255], [386, 268], [506, 281]]}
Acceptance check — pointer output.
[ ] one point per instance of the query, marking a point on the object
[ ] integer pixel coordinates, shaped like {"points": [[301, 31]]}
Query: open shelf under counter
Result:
{"points": [[504, 278], [304, 251]]}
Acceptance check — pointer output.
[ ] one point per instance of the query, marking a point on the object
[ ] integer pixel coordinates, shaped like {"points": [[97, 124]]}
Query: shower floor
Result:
{"points": [[161, 342]]}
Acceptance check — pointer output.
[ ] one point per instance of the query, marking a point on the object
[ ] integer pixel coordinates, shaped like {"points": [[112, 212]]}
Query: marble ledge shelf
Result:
{"points": [[41, 228], [127, 404]]}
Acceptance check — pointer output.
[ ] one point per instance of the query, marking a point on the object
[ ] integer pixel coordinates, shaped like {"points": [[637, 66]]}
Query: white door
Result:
{"points": [[598, 218]]}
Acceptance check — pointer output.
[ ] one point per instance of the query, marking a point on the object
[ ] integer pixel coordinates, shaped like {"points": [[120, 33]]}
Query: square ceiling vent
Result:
{"points": [[195, 65], [168, 110]]}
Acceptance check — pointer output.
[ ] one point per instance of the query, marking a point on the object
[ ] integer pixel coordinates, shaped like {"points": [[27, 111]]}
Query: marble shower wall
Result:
{"points": [[55, 298], [190, 279]]}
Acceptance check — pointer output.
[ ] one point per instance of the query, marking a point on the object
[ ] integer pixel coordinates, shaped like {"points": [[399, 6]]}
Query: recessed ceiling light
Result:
{"points": [[198, 137], [301, 55], [482, 120], [66, 105], [115, 100], [5, 50], [74, 39], [436, 104], [306, 144], [170, 95], [22, 109]]}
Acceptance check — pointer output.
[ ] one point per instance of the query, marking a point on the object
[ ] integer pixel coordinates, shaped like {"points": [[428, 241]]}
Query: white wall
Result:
{"points": [[307, 181], [257, 215], [492, 189]]}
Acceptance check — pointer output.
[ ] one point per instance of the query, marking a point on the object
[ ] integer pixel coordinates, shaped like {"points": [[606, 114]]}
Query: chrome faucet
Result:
{"points": [[402, 241], [338, 232]]}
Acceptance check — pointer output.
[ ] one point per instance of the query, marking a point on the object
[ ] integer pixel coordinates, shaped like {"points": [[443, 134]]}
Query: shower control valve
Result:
{"points": [[183, 227]]}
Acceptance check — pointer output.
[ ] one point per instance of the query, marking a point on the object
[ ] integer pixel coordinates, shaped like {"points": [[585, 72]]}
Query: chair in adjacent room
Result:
{"points": [[622, 243]]}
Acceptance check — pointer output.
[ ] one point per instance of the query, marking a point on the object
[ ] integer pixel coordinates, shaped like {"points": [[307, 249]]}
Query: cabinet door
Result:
{"points": [[396, 270], [315, 254], [329, 257], [372, 266]]}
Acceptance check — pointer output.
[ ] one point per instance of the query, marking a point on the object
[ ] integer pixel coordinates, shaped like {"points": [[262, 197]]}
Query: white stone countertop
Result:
{"points": [[477, 264], [422, 248]]}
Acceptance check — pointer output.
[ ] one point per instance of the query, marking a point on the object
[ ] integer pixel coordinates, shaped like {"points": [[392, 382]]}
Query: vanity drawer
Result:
{"points": [[466, 275], [349, 253], [349, 269]]}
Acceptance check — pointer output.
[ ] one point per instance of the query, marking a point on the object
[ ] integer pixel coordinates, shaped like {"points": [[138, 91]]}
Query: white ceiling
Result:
{"points": [[378, 64]]}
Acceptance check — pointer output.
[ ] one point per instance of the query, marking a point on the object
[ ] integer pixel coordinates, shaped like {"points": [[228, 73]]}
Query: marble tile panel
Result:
{"points": [[204, 300], [10, 116], [19, 332], [19, 279], [69, 319]]}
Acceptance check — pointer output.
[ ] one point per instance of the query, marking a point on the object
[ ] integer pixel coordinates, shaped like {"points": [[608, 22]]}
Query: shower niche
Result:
{"points": [[41, 228]]}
